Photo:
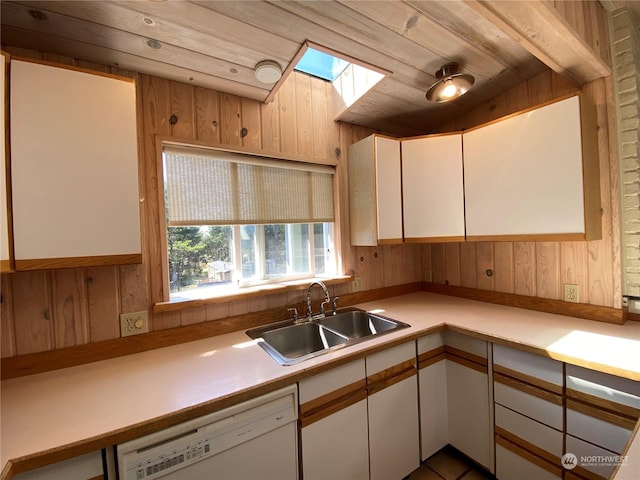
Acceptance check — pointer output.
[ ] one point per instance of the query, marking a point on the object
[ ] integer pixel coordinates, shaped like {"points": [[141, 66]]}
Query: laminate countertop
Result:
{"points": [[63, 413]]}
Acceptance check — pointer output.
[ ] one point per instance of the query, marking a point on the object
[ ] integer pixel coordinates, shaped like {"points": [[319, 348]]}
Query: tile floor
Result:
{"points": [[449, 464]]}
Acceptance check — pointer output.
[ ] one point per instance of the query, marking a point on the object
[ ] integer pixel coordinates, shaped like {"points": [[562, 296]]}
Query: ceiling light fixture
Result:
{"points": [[450, 84], [268, 71]]}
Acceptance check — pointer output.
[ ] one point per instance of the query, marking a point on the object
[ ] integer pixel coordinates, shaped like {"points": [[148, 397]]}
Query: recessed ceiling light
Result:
{"points": [[268, 71]]}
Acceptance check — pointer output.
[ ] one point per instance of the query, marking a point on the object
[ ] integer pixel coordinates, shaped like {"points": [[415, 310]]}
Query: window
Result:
{"points": [[236, 220]]}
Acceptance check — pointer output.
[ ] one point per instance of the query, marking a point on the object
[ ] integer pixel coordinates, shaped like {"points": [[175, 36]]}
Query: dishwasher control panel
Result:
{"points": [[190, 453], [178, 447]]}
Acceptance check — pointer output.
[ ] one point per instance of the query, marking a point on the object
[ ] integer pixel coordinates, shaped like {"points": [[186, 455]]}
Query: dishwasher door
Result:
{"points": [[256, 439]]}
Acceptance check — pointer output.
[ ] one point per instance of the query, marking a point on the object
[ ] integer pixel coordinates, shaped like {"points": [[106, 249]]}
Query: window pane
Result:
{"points": [[323, 249], [275, 254], [298, 247], [248, 251]]}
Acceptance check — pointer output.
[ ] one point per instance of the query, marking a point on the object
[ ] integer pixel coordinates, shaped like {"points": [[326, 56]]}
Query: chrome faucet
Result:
{"points": [[327, 299]]}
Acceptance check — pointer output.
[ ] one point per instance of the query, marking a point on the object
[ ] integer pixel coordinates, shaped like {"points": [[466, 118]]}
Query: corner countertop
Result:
{"points": [[113, 400]]}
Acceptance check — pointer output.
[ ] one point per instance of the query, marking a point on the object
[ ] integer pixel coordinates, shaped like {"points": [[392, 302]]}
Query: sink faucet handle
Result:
{"points": [[295, 314], [334, 305], [322, 307]]}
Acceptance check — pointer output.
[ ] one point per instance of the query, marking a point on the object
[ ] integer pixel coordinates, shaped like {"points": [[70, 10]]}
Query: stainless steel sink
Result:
{"points": [[295, 343], [359, 324], [289, 343]]}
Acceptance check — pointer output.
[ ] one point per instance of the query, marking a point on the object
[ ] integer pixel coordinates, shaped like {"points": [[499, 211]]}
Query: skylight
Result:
{"points": [[321, 65]]}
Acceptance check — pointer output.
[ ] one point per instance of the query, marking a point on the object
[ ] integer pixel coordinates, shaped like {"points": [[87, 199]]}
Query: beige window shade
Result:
{"points": [[215, 187]]}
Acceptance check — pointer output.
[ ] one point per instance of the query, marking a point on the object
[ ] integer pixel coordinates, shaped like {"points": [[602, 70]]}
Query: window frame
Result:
{"points": [[268, 287]]}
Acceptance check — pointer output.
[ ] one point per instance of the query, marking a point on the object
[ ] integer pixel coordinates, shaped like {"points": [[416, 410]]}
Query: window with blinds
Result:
{"points": [[238, 220]]}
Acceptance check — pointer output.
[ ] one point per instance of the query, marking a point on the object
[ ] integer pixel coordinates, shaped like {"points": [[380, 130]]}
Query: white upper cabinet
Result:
{"points": [[74, 168], [375, 191], [534, 175], [432, 188], [5, 237]]}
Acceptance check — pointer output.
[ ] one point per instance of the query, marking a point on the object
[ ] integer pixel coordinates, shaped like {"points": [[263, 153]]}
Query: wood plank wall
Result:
{"points": [[49, 310], [539, 269]]}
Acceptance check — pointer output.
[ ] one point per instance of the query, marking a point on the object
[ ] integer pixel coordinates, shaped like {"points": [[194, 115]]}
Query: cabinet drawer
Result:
{"points": [[331, 380], [386, 359], [514, 464], [599, 432], [545, 441], [591, 458], [538, 370], [547, 411], [607, 387]]}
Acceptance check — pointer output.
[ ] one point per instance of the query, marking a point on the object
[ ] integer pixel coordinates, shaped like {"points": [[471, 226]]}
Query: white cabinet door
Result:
{"points": [[469, 401], [528, 175], [469, 417], [375, 185], [394, 450], [432, 188], [74, 168], [432, 382], [335, 445], [5, 237]]}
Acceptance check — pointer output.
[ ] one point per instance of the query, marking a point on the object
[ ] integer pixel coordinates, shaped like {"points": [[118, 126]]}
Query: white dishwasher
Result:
{"points": [[256, 439]]}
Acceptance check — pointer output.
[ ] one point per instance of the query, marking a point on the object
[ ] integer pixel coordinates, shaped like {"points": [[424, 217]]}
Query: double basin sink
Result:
{"points": [[289, 343]]}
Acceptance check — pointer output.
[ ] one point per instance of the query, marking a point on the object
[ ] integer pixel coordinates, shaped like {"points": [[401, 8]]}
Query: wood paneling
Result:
{"points": [[539, 269]]}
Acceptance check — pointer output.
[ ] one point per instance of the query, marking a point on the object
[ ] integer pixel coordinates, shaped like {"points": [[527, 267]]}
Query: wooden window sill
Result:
{"points": [[248, 292]]}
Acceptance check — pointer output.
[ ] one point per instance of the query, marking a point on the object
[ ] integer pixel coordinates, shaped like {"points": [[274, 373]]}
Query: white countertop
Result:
{"points": [[62, 408]]}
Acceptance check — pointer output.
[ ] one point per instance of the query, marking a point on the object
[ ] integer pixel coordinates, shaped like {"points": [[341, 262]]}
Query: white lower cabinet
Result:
{"points": [[432, 381], [529, 415], [469, 398], [360, 420], [394, 450], [602, 411], [334, 424]]}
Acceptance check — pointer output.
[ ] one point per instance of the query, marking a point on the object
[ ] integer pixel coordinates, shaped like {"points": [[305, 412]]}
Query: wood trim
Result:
{"points": [[547, 305], [451, 352], [627, 315], [75, 262], [431, 357], [390, 376], [604, 415], [332, 402], [390, 241], [620, 409], [540, 237], [521, 452], [7, 471], [99, 477], [523, 377], [528, 388], [460, 238], [530, 448], [6, 266]]}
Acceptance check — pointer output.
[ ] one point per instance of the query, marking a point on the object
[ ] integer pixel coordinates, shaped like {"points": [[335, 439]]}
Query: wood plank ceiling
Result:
{"points": [[217, 44]]}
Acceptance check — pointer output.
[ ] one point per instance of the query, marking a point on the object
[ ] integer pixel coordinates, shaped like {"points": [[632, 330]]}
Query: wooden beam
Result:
{"points": [[540, 29]]}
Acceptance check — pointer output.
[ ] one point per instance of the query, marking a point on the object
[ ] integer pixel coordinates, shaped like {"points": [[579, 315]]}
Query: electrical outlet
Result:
{"points": [[571, 293], [133, 323], [357, 283]]}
